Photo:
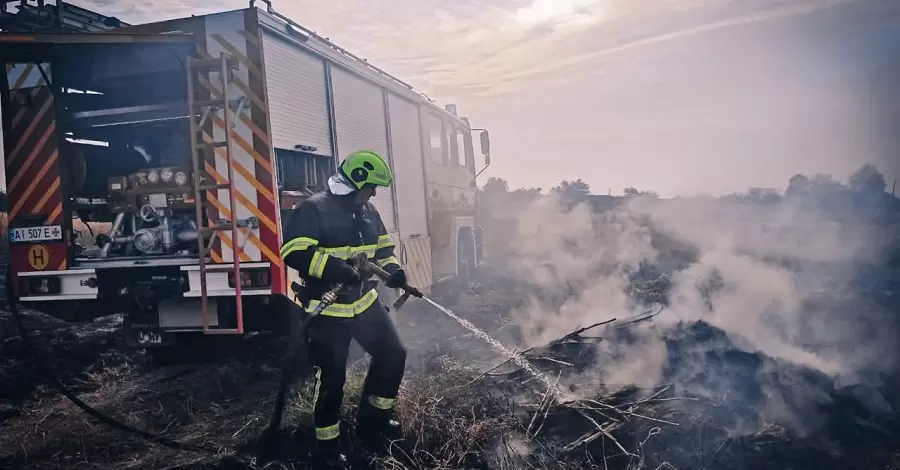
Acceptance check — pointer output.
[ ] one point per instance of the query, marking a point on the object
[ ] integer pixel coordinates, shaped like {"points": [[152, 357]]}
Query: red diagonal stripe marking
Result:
{"points": [[23, 137], [31, 187], [38, 148]]}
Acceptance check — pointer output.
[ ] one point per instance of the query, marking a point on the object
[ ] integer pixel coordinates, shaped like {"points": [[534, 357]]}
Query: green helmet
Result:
{"points": [[366, 167]]}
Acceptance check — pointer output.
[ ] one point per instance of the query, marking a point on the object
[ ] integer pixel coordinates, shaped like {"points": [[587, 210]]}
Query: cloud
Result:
{"points": [[481, 53]]}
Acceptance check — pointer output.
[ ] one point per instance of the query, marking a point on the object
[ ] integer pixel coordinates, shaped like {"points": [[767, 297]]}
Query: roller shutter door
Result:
{"points": [[406, 151], [360, 125], [298, 108]]}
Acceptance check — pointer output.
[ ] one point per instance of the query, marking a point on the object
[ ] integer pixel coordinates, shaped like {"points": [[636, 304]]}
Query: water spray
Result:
{"points": [[519, 360], [496, 345]]}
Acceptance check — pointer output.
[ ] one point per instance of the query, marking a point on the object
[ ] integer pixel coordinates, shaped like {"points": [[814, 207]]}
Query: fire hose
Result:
{"points": [[11, 303]]}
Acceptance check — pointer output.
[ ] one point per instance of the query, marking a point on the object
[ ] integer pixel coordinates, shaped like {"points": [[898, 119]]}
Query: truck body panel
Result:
{"points": [[294, 76], [361, 124], [409, 167]]}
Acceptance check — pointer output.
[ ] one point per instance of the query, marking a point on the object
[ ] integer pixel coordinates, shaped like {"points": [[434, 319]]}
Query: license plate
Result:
{"points": [[147, 337], [43, 233]]}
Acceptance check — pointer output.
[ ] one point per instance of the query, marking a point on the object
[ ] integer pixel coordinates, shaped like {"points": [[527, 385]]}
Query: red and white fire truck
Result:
{"points": [[150, 167]]}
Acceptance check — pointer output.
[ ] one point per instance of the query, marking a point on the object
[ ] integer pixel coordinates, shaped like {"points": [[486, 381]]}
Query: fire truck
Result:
{"points": [[150, 168]]}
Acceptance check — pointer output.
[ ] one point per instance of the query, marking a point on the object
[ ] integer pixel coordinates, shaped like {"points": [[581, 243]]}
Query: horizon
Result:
{"points": [[890, 187]]}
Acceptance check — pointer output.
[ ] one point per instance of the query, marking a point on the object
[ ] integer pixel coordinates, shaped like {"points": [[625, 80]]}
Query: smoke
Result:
{"points": [[778, 283]]}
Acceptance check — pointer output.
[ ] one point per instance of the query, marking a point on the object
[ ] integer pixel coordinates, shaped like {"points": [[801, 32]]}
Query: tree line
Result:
{"points": [[866, 186]]}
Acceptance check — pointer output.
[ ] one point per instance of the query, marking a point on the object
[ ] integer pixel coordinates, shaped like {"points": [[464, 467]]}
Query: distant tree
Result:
{"points": [[821, 182], [817, 185], [573, 191], [499, 201], [495, 186], [867, 179], [798, 184], [520, 198], [527, 192], [631, 191], [762, 196]]}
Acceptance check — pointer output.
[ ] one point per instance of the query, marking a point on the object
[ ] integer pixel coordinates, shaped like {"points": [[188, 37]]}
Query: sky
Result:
{"points": [[681, 97]]}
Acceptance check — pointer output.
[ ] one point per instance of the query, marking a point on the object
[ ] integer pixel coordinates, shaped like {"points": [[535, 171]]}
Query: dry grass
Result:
{"points": [[219, 406], [455, 415], [226, 406], [450, 418]]}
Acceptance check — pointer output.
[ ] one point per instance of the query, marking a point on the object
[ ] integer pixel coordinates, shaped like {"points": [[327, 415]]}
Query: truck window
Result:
{"points": [[436, 147], [461, 148], [452, 147], [470, 152], [460, 145]]}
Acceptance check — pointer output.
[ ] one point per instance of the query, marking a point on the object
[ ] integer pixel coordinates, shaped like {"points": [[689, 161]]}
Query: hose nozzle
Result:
{"points": [[408, 290]]}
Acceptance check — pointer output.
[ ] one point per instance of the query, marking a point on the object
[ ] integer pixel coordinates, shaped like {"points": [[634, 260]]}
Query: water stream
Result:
{"points": [[519, 360]]}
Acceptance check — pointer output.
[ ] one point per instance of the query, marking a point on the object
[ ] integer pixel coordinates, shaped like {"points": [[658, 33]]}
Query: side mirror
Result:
{"points": [[485, 150], [486, 145]]}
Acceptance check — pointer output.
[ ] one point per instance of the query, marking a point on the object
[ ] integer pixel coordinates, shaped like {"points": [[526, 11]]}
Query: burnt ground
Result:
{"points": [[220, 396]]}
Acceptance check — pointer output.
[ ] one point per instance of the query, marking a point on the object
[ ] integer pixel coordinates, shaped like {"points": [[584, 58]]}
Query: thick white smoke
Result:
{"points": [[778, 280]]}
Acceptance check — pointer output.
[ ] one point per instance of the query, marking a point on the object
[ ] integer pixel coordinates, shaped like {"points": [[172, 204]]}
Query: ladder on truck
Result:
{"points": [[223, 66]]}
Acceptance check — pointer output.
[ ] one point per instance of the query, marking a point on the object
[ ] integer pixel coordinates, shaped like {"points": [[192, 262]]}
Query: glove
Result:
{"points": [[396, 280], [349, 275]]}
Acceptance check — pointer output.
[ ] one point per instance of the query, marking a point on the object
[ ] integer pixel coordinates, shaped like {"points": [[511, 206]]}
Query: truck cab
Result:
{"points": [[453, 194]]}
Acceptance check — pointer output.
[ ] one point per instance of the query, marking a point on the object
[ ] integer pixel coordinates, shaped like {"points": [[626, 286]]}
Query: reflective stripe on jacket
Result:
{"points": [[324, 232]]}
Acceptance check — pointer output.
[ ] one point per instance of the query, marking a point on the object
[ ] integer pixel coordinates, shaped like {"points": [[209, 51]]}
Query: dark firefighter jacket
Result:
{"points": [[321, 235]]}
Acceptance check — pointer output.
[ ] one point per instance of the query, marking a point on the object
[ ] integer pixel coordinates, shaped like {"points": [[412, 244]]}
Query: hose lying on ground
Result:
{"points": [[11, 303], [293, 363]]}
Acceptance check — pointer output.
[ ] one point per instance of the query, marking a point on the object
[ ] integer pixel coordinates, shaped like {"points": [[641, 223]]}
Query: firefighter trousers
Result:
{"points": [[329, 342]]}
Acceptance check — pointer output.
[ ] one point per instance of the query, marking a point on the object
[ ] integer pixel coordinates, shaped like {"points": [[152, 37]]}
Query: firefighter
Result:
{"points": [[322, 237]]}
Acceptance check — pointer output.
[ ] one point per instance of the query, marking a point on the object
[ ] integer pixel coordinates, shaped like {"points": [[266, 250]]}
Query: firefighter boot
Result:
{"points": [[328, 456], [377, 428]]}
